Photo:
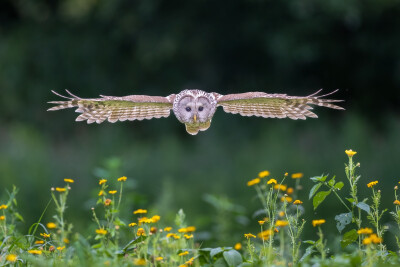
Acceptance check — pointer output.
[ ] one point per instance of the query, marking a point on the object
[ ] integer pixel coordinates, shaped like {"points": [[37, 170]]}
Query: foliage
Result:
{"points": [[146, 240]]}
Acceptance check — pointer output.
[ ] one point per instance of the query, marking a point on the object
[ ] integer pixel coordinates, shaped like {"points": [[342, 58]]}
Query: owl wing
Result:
{"points": [[274, 105], [111, 108]]}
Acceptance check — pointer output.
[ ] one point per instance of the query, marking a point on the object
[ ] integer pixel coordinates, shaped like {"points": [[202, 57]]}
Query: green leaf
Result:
{"points": [[364, 206], [331, 181], [349, 237], [133, 242], [314, 190], [350, 200], [319, 198], [220, 263], [307, 253], [311, 242], [233, 258], [319, 178], [343, 220], [339, 185], [19, 216], [215, 251]]}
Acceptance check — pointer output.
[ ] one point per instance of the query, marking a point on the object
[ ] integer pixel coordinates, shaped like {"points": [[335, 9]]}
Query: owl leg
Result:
{"points": [[192, 129]]}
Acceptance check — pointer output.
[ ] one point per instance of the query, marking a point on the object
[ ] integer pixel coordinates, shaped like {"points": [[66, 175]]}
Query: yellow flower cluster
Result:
{"points": [[365, 231], [261, 222], [183, 253], [372, 239], [297, 175], [101, 231], [188, 229], [141, 232], [188, 236], [173, 235], [70, 181], [297, 202], [280, 223], [238, 246], [167, 229], [51, 225], [140, 211], [253, 182], [11, 257], [265, 234], [159, 258], [318, 222], [396, 202], [3, 207], [263, 174], [272, 181], [35, 251], [287, 199], [350, 153], [280, 187], [122, 179], [139, 262], [2, 218], [60, 189], [372, 184], [102, 181], [112, 192], [45, 235], [249, 235], [290, 190], [132, 224]]}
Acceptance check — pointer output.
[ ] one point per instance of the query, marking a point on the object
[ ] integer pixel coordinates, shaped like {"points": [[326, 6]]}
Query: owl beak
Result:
{"points": [[195, 118]]}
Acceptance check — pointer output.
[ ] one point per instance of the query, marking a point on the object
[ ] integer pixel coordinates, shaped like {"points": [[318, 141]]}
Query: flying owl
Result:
{"points": [[194, 108]]}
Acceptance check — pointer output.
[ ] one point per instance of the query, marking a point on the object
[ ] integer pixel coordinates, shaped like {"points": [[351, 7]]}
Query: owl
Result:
{"points": [[194, 108]]}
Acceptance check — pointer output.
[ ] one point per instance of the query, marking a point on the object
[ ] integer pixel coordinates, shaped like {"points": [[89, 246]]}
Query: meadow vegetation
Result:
{"points": [[144, 239]]}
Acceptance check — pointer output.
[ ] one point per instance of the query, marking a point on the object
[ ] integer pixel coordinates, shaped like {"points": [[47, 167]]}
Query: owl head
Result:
{"points": [[194, 107]]}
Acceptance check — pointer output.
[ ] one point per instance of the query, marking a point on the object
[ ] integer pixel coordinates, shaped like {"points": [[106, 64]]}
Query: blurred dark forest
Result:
{"points": [[156, 47]]}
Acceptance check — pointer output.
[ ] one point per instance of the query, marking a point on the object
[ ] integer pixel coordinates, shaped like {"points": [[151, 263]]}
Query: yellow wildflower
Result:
{"points": [[183, 253], [156, 218], [238, 246], [132, 224], [141, 232], [372, 184], [375, 239], [122, 179], [60, 248], [101, 193], [188, 236], [60, 189], [290, 190], [51, 225], [2, 218], [280, 187], [190, 261], [107, 202], [265, 234], [263, 174], [3, 207], [281, 213], [159, 258], [38, 242], [318, 222], [286, 174], [112, 192], [45, 235], [297, 175], [70, 181], [66, 240], [190, 229], [11, 257], [297, 202], [182, 230], [253, 182], [280, 223], [350, 153], [367, 241], [102, 181], [139, 262], [365, 231], [101, 231], [167, 229], [261, 222], [153, 230], [249, 235], [140, 211], [35, 251], [396, 202], [287, 198], [272, 181]]}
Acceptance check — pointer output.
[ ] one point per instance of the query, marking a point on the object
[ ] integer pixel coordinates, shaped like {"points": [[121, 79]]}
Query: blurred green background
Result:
{"points": [[156, 47]]}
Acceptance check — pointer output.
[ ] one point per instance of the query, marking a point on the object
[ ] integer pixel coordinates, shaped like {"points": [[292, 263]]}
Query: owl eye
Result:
{"points": [[201, 108], [188, 109]]}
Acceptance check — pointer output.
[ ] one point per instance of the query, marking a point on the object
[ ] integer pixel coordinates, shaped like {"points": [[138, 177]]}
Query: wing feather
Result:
{"points": [[112, 109], [275, 105]]}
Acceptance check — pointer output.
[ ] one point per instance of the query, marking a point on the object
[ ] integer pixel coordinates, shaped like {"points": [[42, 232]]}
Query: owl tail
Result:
{"points": [[192, 129]]}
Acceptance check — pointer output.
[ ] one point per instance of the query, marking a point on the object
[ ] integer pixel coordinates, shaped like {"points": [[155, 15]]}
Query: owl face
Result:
{"points": [[194, 106]]}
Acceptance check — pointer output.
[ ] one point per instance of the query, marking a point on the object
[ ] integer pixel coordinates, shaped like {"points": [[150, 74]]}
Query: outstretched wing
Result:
{"points": [[275, 105], [111, 108]]}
